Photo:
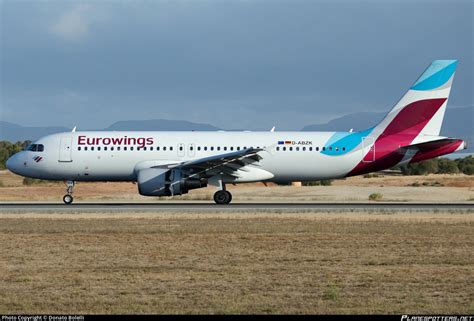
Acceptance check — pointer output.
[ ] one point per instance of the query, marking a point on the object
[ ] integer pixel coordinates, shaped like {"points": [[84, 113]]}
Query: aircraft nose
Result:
{"points": [[12, 164]]}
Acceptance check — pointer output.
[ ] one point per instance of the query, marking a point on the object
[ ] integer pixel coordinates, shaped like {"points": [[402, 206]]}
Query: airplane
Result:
{"points": [[173, 163]]}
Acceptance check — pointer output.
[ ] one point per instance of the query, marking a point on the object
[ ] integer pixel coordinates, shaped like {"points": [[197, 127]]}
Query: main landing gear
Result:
{"points": [[67, 199], [222, 197]]}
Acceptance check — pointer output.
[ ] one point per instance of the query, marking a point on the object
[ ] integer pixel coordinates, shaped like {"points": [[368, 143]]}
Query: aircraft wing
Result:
{"points": [[226, 163]]}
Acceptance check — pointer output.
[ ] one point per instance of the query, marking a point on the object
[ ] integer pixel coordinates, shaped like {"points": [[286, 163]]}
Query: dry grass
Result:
{"points": [[237, 263]]}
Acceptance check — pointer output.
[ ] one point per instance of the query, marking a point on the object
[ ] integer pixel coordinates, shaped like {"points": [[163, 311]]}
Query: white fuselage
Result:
{"points": [[95, 156]]}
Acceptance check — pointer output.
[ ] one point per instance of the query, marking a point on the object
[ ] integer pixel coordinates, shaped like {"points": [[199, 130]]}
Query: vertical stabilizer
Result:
{"points": [[421, 110]]}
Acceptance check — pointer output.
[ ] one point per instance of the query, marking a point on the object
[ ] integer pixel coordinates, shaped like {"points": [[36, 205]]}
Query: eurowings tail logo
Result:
{"points": [[37, 159]]}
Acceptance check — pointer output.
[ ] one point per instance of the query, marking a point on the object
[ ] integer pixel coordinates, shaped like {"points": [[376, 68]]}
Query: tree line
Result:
{"points": [[7, 149], [432, 166]]}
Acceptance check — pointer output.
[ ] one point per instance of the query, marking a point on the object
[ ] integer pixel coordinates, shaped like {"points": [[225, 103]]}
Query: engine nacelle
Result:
{"points": [[166, 182]]}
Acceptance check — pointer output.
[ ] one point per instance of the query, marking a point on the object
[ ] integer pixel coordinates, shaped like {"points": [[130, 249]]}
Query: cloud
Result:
{"points": [[73, 25]]}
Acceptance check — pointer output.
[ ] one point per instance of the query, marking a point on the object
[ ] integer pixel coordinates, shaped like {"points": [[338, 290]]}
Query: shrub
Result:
{"points": [[331, 292], [323, 182], [33, 181], [326, 182], [468, 170], [466, 165], [447, 166], [371, 175], [375, 197]]}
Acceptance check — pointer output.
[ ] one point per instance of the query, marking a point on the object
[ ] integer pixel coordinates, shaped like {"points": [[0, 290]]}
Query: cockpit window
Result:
{"points": [[35, 148]]}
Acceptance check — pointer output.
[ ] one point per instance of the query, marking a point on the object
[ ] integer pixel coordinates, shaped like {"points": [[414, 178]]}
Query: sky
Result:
{"points": [[245, 64]]}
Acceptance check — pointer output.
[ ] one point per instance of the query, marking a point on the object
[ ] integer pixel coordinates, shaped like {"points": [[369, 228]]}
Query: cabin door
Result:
{"points": [[65, 149]]}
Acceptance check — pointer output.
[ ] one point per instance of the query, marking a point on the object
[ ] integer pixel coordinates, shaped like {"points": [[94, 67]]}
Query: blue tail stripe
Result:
{"points": [[437, 74]]}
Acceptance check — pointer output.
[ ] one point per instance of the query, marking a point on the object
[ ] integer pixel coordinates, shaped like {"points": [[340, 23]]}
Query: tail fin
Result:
{"points": [[415, 119], [421, 110]]}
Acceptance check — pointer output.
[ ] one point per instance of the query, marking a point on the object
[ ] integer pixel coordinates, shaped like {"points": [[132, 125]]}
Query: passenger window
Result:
{"points": [[343, 148], [225, 147], [164, 148], [205, 147], [310, 149], [278, 148], [112, 148], [191, 148], [85, 147], [157, 148], [124, 148], [291, 149], [324, 148], [105, 148], [337, 149], [79, 148], [238, 147], [212, 147], [317, 149], [231, 147], [92, 148], [297, 148], [284, 149], [330, 147], [218, 148], [304, 148], [98, 148], [171, 148], [151, 148], [131, 148], [199, 148], [181, 148]]}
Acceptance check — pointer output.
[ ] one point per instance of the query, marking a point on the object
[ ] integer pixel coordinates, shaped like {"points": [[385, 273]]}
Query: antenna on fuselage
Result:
{"points": [[273, 129], [351, 130], [74, 129]]}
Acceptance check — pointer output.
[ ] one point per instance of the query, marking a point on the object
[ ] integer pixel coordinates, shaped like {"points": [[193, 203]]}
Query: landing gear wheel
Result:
{"points": [[67, 199], [222, 197]]}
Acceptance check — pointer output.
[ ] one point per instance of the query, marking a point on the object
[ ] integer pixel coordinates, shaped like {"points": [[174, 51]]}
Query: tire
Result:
{"points": [[222, 197], [67, 199]]}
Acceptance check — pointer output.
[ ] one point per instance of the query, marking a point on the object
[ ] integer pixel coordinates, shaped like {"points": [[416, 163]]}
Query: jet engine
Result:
{"points": [[166, 182]]}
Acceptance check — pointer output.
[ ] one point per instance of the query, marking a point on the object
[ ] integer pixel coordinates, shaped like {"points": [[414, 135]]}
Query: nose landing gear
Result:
{"points": [[67, 199]]}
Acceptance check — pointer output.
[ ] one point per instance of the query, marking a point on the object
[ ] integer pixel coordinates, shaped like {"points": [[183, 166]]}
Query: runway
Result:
{"points": [[234, 207]]}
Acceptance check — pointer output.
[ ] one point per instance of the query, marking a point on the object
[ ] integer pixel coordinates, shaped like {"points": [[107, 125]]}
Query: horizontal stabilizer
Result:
{"points": [[434, 148]]}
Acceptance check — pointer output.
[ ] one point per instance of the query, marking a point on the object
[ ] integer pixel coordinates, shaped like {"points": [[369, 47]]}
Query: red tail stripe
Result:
{"points": [[403, 129]]}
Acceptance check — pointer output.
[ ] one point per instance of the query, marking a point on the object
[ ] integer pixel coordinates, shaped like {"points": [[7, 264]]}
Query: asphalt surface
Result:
{"points": [[210, 207]]}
